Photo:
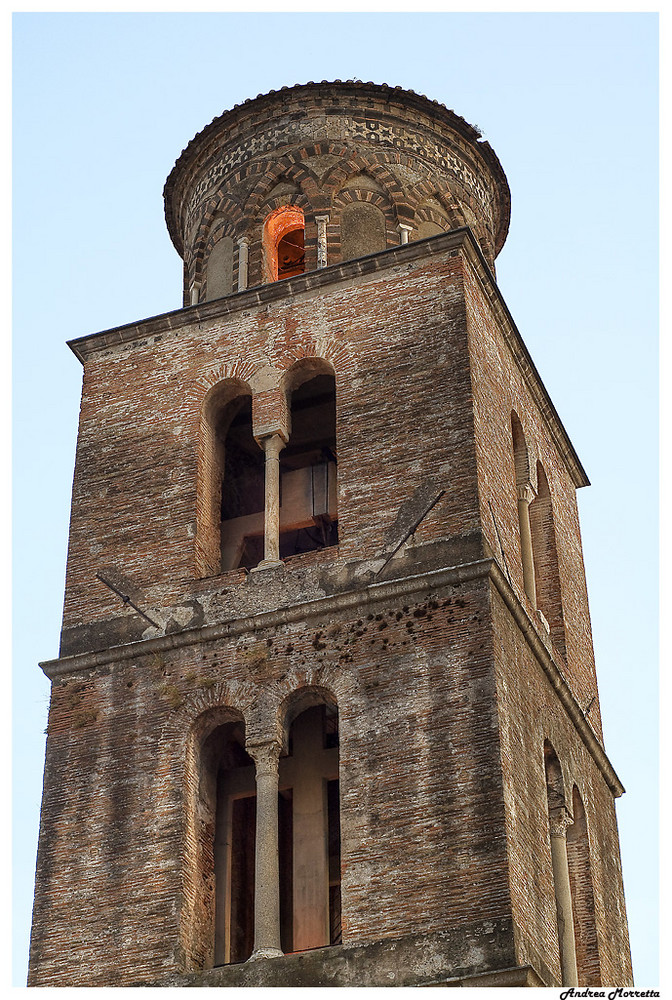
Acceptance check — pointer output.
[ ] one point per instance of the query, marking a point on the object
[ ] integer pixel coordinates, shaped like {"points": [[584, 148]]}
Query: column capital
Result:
{"points": [[323, 217], [273, 442], [265, 756], [526, 492], [243, 239], [404, 231], [559, 819]]}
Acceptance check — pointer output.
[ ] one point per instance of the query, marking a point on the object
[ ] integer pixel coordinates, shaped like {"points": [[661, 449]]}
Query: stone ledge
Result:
{"points": [[469, 953]]}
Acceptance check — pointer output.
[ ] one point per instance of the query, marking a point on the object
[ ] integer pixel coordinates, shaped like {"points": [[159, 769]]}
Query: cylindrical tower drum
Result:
{"points": [[316, 174]]}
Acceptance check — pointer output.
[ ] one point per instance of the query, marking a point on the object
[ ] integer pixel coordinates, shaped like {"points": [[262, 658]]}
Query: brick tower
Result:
{"points": [[325, 711]]}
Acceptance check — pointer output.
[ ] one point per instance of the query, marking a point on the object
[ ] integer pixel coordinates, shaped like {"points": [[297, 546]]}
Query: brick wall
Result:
{"points": [[445, 683]]}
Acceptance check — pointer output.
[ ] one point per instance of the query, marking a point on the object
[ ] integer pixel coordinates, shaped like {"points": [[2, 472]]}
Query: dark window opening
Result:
{"points": [[234, 848], [308, 468], [310, 875], [291, 254], [242, 505], [334, 833]]}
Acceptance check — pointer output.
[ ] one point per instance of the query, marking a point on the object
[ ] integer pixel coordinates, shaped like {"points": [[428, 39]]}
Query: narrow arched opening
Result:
{"points": [[546, 571], [230, 479], [524, 495], [225, 756], [308, 463], [242, 493], [310, 836], [583, 899], [559, 819], [283, 243]]}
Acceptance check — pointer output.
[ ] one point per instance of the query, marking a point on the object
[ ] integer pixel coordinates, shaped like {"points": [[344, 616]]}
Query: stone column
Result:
{"points": [[321, 221], [273, 445], [266, 866], [404, 232], [559, 821], [195, 290], [525, 498], [243, 250]]}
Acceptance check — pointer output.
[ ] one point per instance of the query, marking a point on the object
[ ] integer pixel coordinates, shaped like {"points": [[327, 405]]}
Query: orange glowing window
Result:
{"points": [[283, 243]]}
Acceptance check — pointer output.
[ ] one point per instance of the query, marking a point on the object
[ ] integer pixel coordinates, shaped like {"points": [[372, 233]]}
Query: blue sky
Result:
{"points": [[104, 103]]}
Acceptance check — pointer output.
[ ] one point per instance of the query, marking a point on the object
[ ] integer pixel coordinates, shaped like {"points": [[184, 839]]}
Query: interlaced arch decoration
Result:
{"points": [[220, 205], [287, 168]]}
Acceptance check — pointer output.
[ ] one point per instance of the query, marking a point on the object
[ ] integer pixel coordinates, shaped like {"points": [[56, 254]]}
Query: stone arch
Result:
{"points": [[220, 406], [220, 205], [375, 166], [284, 169], [301, 698], [432, 189], [430, 220]]}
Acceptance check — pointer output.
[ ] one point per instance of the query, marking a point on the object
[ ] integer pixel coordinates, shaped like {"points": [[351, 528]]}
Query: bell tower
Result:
{"points": [[325, 711]]}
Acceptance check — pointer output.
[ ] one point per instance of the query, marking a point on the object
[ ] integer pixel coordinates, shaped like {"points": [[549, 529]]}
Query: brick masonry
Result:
{"points": [[446, 681]]}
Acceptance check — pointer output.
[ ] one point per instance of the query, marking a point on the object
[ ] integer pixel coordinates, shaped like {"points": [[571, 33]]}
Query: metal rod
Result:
{"points": [[409, 531], [126, 599]]}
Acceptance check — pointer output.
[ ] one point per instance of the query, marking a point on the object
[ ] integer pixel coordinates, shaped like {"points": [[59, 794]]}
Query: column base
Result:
{"points": [[267, 564], [265, 953]]}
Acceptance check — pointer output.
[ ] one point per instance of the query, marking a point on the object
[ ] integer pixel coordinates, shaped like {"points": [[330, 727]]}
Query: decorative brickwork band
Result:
{"points": [[559, 820], [322, 221], [266, 867], [526, 495], [243, 252]]}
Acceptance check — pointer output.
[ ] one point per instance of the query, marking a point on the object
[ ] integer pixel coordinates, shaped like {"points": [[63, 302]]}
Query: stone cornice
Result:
{"points": [[316, 281], [372, 593]]}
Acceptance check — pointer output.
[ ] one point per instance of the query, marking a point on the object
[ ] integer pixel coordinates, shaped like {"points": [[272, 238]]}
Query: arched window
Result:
{"points": [[219, 909], [308, 463], [309, 816], [559, 819], [234, 844], [525, 495], [583, 900], [230, 480], [546, 573], [283, 243], [242, 507]]}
